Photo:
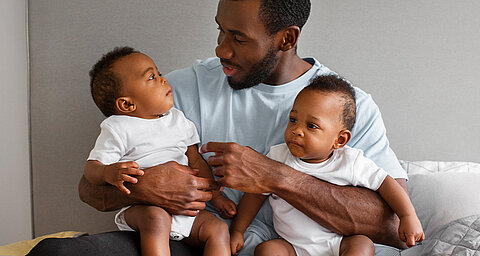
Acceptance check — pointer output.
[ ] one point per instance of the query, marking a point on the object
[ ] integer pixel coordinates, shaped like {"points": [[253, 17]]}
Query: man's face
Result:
{"points": [[245, 49]]}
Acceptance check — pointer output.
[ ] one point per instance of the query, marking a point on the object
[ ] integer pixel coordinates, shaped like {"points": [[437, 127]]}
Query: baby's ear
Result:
{"points": [[125, 105], [343, 138]]}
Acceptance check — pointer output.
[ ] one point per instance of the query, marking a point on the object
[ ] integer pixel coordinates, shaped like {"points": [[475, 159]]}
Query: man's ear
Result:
{"points": [[289, 38], [343, 138], [125, 105]]}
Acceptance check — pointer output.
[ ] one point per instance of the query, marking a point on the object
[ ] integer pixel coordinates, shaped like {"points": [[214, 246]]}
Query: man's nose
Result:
{"points": [[224, 49]]}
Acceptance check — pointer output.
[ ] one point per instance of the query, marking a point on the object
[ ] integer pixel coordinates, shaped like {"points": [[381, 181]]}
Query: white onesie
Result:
{"points": [[347, 166], [148, 142]]}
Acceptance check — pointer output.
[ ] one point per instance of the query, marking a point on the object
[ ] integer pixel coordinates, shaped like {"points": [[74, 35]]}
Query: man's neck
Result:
{"points": [[289, 68]]}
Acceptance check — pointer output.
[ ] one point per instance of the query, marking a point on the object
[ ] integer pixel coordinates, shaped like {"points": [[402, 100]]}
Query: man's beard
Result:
{"points": [[259, 72]]}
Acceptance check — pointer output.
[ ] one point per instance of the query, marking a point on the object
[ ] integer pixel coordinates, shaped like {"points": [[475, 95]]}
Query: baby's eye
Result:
{"points": [[293, 120], [312, 126]]}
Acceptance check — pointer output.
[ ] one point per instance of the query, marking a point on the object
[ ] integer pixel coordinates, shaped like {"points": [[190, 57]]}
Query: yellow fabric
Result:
{"points": [[23, 247]]}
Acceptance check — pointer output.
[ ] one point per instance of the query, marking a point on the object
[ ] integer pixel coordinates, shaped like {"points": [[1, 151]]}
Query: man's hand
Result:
{"points": [[240, 167], [173, 187]]}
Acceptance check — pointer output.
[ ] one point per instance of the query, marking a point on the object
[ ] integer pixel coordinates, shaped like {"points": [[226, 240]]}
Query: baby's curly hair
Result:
{"points": [[336, 84], [104, 84]]}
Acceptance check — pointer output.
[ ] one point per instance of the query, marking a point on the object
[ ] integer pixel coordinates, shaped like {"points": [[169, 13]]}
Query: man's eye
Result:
{"points": [[239, 41], [152, 77], [159, 74]]}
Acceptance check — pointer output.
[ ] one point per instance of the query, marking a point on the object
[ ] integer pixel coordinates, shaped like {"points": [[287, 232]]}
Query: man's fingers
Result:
{"points": [[206, 184], [203, 196], [215, 160], [218, 147], [218, 171], [191, 213], [185, 169]]}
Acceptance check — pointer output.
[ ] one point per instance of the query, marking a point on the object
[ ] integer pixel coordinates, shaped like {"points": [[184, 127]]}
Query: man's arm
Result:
{"points": [[343, 209], [171, 186]]}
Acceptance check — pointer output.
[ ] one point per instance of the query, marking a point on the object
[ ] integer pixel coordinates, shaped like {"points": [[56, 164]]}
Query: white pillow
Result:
{"points": [[443, 191]]}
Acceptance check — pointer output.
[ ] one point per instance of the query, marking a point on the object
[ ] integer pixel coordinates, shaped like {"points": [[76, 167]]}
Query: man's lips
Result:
{"points": [[169, 93], [229, 70]]}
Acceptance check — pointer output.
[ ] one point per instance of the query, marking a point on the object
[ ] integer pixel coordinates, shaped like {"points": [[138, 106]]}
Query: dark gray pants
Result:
{"points": [[110, 243]]}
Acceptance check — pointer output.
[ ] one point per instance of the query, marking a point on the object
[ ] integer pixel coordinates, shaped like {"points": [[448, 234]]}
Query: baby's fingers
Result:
{"points": [[410, 241], [127, 178], [123, 189], [236, 247], [132, 171], [421, 237]]}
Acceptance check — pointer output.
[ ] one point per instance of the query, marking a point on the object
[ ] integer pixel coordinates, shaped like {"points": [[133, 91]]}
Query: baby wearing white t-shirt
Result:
{"points": [[143, 130], [315, 143]]}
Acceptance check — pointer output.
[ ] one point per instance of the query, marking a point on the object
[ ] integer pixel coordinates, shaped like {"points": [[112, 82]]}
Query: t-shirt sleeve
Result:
{"points": [[191, 132], [367, 174], [369, 135], [277, 153], [108, 148]]}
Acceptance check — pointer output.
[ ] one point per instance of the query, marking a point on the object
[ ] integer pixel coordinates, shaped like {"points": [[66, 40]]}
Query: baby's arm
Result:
{"points": [[115, 174], [225, 207], [410, 229], [247, 210]]}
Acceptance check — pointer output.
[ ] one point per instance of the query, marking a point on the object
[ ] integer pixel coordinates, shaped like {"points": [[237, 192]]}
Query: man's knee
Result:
{"points": [[111, 243], [50, 246]]}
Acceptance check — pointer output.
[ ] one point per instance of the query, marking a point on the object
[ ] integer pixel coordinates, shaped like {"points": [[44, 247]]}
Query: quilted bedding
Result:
{"points": [[445, 197], [459, 237]]}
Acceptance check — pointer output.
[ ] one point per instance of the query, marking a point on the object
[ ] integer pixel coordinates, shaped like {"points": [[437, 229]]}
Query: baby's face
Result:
{"points": [[141, 81], [314, 125]]}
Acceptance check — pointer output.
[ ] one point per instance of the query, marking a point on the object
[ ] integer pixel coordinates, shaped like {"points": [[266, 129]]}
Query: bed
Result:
{"points": [[445, 196]]}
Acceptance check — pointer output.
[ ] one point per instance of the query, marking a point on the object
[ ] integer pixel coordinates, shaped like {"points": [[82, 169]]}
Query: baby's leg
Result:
{"points": [[357, 245], [154, 225], [277, 247], [210, 232]]}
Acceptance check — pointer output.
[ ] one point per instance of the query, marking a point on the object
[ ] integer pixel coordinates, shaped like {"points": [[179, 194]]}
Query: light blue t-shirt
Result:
{"points": [[257, 117]]}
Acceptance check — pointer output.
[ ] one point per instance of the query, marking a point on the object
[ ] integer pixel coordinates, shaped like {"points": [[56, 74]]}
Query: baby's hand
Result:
{"points": [[118, 173], [225, 207], [236, 242], [410, 230]]}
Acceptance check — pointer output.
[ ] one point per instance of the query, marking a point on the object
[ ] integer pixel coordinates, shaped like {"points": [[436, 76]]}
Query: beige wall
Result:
{"points": [[419, 60], [15, 213]]}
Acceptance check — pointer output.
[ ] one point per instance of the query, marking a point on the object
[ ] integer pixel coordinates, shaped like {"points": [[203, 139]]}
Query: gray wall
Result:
{"points": [[15, 213], [417, 58]]}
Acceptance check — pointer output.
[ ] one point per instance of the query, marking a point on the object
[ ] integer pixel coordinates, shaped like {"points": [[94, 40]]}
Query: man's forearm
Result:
{"points": [[103, 197], [345, 210]]}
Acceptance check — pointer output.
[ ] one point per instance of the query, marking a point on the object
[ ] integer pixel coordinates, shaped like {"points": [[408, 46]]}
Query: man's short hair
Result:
{"points": [[104, 84], [280, 14], [338, 85]]}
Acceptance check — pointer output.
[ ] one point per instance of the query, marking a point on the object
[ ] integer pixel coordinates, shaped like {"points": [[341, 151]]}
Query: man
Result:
{"points": [[240, 103]]}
